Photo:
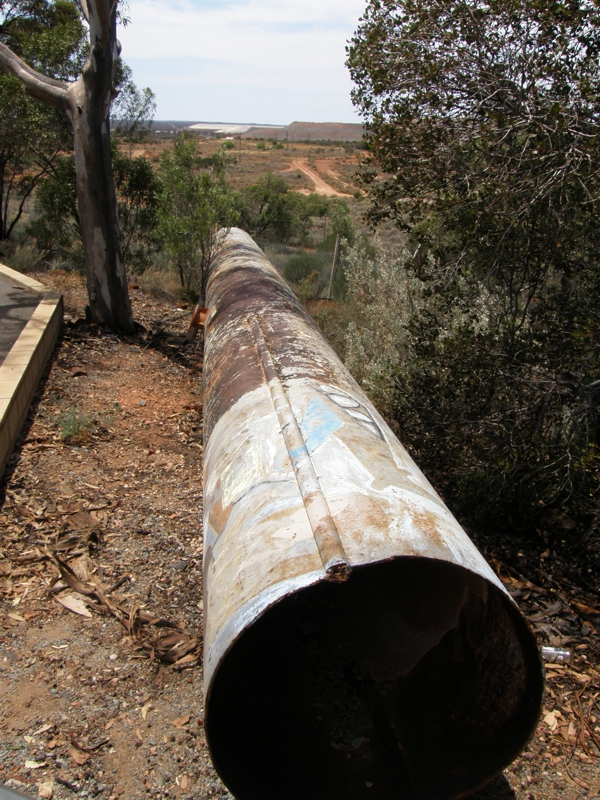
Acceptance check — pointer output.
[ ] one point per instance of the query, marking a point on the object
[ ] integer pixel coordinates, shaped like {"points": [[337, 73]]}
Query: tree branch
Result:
{"points": [[84, 10], [49, 91]]}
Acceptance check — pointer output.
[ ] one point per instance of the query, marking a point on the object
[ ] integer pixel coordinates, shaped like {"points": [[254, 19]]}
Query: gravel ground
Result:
{"points": [[107, 478]]}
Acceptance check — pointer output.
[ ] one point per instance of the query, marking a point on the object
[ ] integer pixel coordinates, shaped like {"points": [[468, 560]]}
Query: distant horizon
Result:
{"points": [[295, 131], [258, 124]]}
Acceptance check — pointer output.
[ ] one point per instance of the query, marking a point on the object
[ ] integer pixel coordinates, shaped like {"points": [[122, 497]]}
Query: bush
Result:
{"points": [[56, 227], [302, 266], [76, 427], [503, 422], [482, 128], [25, 258]]}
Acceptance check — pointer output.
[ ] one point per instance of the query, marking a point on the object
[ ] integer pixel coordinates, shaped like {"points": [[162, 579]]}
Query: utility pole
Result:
{"points": [[335, 258]]}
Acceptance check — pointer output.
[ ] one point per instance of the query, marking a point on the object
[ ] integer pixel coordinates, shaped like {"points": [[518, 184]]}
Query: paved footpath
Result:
{"points": [[16, 307]]}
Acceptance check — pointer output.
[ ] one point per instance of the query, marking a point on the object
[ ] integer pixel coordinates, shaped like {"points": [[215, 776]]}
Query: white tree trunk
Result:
{"points": [[87, 104]]}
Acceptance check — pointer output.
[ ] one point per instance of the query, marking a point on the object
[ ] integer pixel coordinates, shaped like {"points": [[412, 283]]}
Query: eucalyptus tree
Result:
{"points": [[86, 102]]}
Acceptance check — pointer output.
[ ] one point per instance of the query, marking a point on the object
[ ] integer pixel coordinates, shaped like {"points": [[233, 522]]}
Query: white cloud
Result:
{"points": [[268, 47]]}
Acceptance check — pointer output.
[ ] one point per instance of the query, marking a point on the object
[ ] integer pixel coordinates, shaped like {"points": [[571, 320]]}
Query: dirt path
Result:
{"points": [[321, 186], [107, 476]]}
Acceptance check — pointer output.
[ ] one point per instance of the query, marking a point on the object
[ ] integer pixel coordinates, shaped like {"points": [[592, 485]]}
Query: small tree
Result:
{"points": [[86, 102], [133, 109], [194, 206]]}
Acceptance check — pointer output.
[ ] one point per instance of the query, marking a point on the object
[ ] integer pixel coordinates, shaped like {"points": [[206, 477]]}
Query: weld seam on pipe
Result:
{"points": [[330, 547]]}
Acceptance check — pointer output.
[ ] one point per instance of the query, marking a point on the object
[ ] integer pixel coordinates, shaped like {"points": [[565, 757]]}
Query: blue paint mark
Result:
{"points": [[318, 423]]}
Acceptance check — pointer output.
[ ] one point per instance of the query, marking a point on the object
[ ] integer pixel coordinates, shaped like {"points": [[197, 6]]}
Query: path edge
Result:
{"points": [[23, 367]]}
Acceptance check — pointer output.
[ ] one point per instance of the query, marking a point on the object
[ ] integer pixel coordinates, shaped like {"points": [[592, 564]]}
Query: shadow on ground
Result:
{"points": [[497, 789]]}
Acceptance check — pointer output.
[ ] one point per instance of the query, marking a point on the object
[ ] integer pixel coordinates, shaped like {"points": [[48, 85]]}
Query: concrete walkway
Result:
{"points": [[17, 304], [30, 320]]}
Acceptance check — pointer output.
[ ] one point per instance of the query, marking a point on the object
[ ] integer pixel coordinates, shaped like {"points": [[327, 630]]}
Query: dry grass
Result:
{"points": [[160, 283]]}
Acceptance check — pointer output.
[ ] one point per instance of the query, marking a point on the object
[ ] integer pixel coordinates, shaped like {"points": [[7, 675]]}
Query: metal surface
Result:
{"points": [[357, 645], [6, 793]]}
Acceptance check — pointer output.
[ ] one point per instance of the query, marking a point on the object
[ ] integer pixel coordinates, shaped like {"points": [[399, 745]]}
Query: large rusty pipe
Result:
{"points": [[357, 645]]}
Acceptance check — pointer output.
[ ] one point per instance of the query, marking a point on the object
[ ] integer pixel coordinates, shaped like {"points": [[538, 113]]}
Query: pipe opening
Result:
{"points": [[413, 679]]}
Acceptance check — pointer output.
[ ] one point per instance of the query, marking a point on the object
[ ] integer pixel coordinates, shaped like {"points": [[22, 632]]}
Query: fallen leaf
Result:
{"points": [[56, 742], [183, 782], [138, 733], [581, 677], [34, 764], [585, 609], [75, 605], [17, 617], [550, 720], [189, 659], [181, 721], [109, 724], [29, 739], [82, 521], [43, 729], [77, 756], [78, 372], [46, 789], [144, 711]]}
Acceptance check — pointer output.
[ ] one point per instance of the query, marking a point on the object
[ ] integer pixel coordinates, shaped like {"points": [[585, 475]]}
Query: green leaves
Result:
{"points": [[49, 36], [194, 205], [484, 144]]}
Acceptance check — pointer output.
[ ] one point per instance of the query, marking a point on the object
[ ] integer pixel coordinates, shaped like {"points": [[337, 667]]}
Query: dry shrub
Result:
{"points": [[162, 283]]}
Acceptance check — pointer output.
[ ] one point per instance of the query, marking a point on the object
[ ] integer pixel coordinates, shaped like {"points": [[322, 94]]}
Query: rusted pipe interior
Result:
{"points": [[414, 679]]}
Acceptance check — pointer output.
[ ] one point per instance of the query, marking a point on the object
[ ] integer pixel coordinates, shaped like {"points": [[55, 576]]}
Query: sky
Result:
{"points": [[264, 61]]}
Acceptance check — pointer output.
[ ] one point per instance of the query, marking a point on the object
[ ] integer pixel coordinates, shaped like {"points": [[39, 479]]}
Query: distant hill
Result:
{"points": [[296, 132], [313, 131]]}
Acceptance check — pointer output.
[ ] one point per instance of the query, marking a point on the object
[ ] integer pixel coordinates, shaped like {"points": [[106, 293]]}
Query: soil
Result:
{"points": [[320, 186], [107, 477], [109, 466]]}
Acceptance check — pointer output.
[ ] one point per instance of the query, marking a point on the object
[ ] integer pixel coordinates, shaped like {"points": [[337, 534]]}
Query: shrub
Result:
{"points": [[503, 422], [76, 427], [302, 266]]}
